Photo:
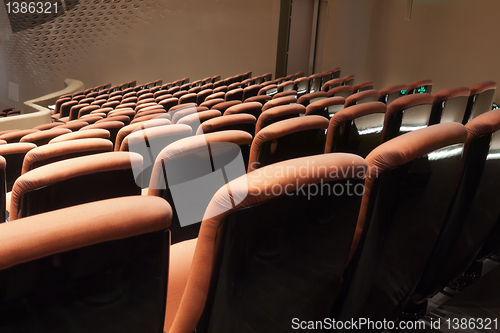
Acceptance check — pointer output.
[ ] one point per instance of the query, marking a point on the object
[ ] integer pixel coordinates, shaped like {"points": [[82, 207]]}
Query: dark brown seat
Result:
{"points": [[216, 95], [288, 139], [112, 126], [202, 95], [253, 108], [302, 85], [188, 98], [278, 102], [277, 114], [325, 107], [262, 99], [266, 244], [47, 154], [251, 91], [87, 257], [356, 129], [342, 91], [75, 181], [388, 94], [153, 115], [92, 118], [189, 159], [212, 102], [73, 125], [87, 110], [314, 83], [361, 97], [285, 93], [406, 114], [328, 85], [238, 121], [312, 97], [450, 105], [234, 95], [268, 90], [409, 186], [126, 130], [222, 107], [14, 155], [168, 103], [43, 137]]}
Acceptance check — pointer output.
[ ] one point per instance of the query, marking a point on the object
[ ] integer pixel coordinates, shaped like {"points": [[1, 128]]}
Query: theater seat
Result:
{"points": [[328, 85], [187, 111], [285, 93], [194, 120], [312, 97], [278, 102], [449, 105], [14, 155], [348, 80], [265, 244], [44, 127], [43, 137], [325, 107], [234, 95], [75, 181], [356, 129], [95, 261], [112, 126], [126, 130], [262, 99], [277, 114], [420, 87], [253, 108], [388, 94], [94, 133], [216, 157], [480, 100], [410, 183], [288, 139], [361, 97], [64, 150], [406, 114], [473, 218], [342, 91], [149, 142], [222, 107], [362, 86], [239, 121], [16, 135]]}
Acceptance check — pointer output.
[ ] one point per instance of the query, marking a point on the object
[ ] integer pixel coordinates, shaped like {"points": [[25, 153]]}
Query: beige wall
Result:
{"points": [[452, 42], [143, 41], [300, 36]]}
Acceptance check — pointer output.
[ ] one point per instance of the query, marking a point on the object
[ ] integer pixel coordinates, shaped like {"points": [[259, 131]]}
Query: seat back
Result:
{"points": [[265, 245], [288, 139], [449, 105], [238, 121], [80, 276], [356, 129], [277, 114], [43, 137], [342, 91], [473, 218], [410, 184], [325, 107], [253, 108], [362, 86], [388, 94], [75, 181], [406, 114], [420, 87], [480, 100], [189, 171], [361, 97], [14, 155]]}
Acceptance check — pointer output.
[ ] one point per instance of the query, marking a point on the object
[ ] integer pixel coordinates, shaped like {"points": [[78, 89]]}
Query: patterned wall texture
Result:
{"points": [[100, 41]]}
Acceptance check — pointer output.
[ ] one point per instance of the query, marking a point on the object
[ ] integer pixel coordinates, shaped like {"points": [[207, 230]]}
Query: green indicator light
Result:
{"points": [[403, 92], [421, 90], [495, 106]]}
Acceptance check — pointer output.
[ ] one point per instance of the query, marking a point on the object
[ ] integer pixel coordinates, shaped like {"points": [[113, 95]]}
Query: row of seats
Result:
{"points": [[283, 242], [9, 112]]}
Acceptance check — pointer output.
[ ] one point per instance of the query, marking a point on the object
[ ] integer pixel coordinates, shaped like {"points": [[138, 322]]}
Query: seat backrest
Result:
{"points": [[450, 105], [420, 87], [277, 114], [331, 84], [222, 107], [253, 108], [361, 97], [251, 91], [14, 155], [348, 80], [288, 139], [126, 130], [268, 246], [410, 183], [66, 107], [406, 114], [234, 95], [342, 91], [43, 137], [238, 121], [75, 181], [362, 86], [93, 261], [189, 171], [480, 100], [202, 95], [187, 111], [59, 151], [388, 94], [112, 126], [356, 129], [312, 97], [325, 107], [93, 133], [279, 101], [149, 142], [473, 221], [15, 136], [194, 120]]}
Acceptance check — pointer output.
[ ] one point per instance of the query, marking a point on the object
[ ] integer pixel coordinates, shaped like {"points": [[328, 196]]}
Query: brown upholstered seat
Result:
{"points": [[154, 115], [44, 127], [75, 181], [112, 126], [121, 118], [277, 114], [66, 107], [222, 107], [275, 247], [15, 136], [362, 86], [73, 125], [279, 101], [168, 103], [234, 95], [91, 118], [126, 130], [86, 110], [262, 99], [202, 95], [480, 100], [86, 258], [361, 97], [406, 114], [93, 133], [187, 111], [410, 183], [328, 85], [212, 102], [268, 90], [188, 98], [253, 108], [63, 150], [251, 91], [342, 91], [420, 86], [149, 142], [194, 120], [287, 139], [302, 85], [43, 137], [356, 129], [216, 95], [189, 159], [389, 94], [306, 99], [238, 121], [325, 107], [14, 154], [348, 80], [450, 105], [122, 112]]}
